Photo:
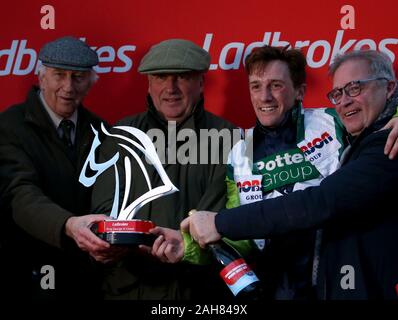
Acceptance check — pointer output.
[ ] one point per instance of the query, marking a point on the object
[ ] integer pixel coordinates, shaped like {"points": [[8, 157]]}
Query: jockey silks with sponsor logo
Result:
{"points": [[293, 148]]}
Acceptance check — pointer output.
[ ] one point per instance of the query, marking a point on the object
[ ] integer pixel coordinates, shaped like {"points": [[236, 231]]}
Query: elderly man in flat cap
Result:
{"points": [[43, 144], [175, 70]]}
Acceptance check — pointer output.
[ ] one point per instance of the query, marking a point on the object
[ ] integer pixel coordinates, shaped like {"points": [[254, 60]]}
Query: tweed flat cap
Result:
{"points": [[68, 53], [175, 56]]}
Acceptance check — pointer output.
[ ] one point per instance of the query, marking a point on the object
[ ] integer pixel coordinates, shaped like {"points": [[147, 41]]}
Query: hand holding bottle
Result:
{"points": [[201, 226]]}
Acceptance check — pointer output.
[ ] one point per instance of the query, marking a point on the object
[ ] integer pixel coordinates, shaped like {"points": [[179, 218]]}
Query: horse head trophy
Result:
{"points": [[122, 228]]}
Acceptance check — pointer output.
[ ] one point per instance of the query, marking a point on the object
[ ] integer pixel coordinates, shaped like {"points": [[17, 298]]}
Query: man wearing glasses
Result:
{"points": [[358, 257], [352, 89]]}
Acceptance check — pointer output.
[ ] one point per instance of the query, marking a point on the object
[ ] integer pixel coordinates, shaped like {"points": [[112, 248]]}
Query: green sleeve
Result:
{"points": [[232, 194], [193, 253], [244, 247]]}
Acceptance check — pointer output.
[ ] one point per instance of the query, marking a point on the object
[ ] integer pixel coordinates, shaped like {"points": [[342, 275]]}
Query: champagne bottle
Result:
{"points": [[238, 276], [235, 272]]}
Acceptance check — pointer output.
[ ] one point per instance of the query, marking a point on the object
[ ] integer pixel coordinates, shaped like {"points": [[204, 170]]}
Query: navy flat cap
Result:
{"points": [[68, 53]]}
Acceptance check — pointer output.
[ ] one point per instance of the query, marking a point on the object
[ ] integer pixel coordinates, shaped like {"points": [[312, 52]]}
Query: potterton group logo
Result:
{"points": [[317, 143]]}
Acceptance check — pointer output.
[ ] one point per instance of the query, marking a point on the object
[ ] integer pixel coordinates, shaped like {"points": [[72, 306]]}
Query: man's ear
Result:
{"points": [[149, 83], [301, 92], [391, 86], [40, 76], [202, 82]]}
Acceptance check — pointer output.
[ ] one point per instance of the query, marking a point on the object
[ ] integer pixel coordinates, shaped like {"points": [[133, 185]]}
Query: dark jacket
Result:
{"points": [[40, 191], [351, 205], [201, 186]]}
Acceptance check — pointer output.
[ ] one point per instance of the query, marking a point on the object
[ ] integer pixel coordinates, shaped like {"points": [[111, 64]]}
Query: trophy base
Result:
{"points": [[126, 232]]}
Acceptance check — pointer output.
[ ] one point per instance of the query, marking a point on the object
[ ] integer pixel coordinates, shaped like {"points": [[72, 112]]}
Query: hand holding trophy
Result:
{"points": [[122, 228]]}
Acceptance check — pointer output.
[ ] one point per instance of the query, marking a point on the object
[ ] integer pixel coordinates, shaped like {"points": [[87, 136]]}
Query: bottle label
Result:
{"points": [[238, 275]]}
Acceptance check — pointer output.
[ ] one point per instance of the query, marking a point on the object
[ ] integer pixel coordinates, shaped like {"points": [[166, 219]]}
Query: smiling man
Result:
{"points": [[272, 90], [174, 95], [64, 90], [351, 105], [175, 70], [43, 143]]}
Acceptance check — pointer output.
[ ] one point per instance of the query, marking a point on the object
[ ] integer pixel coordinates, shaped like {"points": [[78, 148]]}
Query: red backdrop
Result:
{"points": [[123, 30]]}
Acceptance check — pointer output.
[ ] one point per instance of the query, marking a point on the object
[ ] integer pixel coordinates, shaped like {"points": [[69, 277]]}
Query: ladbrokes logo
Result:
{"points": [[19, 59], [319, 53], [317, 143]]}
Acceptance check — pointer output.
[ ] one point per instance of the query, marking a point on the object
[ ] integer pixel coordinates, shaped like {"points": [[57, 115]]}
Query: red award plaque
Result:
{"points": [[126, 231]]}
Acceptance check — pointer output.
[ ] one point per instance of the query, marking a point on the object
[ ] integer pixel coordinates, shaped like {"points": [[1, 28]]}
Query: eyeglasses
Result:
{"points": [[351, 89]]}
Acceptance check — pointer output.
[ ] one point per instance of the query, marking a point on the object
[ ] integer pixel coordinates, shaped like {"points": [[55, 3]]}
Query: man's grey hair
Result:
{"points": [[380, 64], [93, 76]]}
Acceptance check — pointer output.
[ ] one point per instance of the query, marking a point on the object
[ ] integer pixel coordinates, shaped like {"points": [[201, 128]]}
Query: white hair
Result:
{"points": [[380, 65], [93, 75]]}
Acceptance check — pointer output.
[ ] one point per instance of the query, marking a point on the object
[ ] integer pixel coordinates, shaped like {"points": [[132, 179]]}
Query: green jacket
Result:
{"points": [[201, 187]]}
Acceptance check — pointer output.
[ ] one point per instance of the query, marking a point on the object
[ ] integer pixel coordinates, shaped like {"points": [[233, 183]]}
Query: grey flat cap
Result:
{"points": [[175, 56], [68, 53]]}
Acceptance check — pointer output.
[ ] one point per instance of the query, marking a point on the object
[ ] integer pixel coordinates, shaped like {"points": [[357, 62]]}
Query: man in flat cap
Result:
{"points": [[175, 102], [43, 144]]}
